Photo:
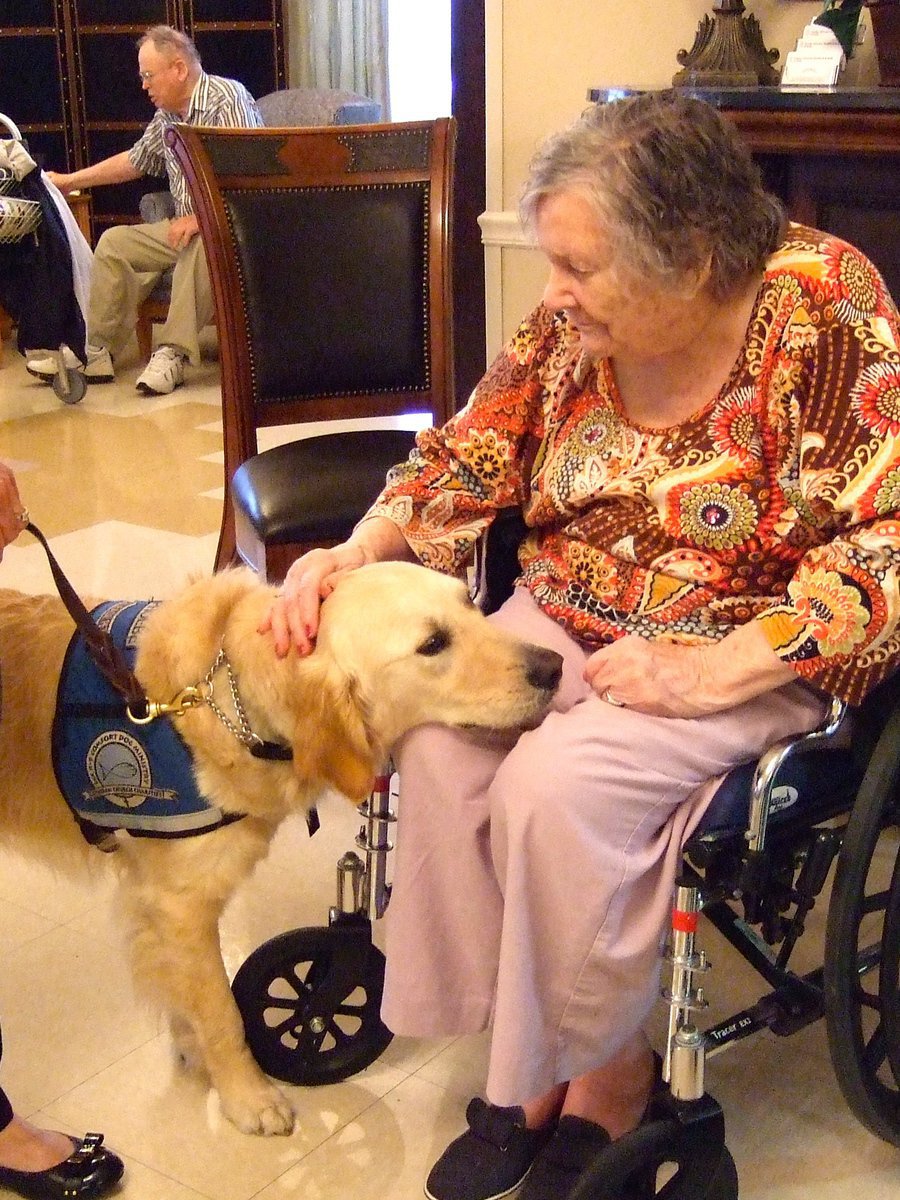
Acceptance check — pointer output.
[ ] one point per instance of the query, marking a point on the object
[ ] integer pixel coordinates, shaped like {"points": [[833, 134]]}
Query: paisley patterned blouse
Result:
{"points": [[777, 502]]}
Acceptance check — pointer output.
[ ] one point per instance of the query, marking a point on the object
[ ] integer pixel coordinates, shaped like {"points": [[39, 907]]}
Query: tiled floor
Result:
{"points": [[129, 491]]}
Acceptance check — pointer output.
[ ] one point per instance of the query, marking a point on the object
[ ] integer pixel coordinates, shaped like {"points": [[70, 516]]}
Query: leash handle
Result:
{"points": [[108, 658]]}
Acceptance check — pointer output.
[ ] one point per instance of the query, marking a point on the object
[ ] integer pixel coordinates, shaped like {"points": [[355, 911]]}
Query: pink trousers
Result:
{"points": [[532, 886]]}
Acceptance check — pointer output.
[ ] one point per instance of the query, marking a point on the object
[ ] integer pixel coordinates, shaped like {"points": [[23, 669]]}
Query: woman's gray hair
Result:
{"points": [[171, 42], [673, 185]]}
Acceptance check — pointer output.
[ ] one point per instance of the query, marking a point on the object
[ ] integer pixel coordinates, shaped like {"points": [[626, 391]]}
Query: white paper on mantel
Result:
{"points": [[817, 61]]}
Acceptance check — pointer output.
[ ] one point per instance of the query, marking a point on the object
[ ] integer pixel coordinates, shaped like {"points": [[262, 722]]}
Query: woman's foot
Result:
{"points": [[27, 1147], [41, 1164], [598, 1107], [574, 1145]]}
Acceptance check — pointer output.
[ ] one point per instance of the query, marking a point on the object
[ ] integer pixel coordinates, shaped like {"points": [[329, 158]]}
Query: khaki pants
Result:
{"points": [[128, 262]]}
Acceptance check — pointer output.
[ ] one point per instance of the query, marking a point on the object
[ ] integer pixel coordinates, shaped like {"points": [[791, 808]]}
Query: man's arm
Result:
{"points": [[116, 169]]}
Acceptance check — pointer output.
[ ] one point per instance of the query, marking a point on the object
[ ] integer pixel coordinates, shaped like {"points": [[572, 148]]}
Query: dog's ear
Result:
{"points": [[331, 741]]}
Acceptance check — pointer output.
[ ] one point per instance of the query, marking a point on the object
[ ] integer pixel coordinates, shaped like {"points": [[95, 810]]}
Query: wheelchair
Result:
{"points": [[822, 807]]}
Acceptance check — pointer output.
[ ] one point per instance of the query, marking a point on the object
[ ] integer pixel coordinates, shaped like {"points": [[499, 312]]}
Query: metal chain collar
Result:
{"points": [[241, 730]]}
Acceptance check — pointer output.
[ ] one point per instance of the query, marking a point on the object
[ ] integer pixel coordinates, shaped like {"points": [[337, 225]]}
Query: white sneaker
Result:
{"points": [[98, 369], [163, 373]]}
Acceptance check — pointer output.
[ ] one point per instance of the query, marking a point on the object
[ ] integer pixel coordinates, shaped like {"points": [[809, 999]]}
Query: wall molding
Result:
{"points": [[502, 229]]}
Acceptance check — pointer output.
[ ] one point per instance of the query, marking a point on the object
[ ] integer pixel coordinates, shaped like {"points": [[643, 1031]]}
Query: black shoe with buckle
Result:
{"points": [[89, 1172], [490, 1159]]}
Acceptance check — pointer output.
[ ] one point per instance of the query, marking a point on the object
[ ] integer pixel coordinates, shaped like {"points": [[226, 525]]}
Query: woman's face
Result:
{"points": [[617, 313]]}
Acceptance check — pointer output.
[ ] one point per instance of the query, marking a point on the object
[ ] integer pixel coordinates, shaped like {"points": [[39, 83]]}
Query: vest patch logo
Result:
{"points": [[119, 769], [113, 773]]}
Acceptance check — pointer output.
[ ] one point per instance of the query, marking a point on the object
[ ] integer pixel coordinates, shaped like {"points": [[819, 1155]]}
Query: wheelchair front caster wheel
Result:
{"points": [[664, 1159], [310, 1001], [69, 385]]}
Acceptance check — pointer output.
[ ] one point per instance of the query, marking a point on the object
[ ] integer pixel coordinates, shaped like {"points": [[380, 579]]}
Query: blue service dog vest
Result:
{"points": [[114, 773]]}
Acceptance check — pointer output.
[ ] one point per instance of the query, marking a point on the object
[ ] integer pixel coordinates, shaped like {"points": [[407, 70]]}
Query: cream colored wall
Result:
{"points": [[541, 59]]}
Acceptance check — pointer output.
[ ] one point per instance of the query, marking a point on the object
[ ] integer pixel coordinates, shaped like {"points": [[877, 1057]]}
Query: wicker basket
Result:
{"points": [[18, 218]]}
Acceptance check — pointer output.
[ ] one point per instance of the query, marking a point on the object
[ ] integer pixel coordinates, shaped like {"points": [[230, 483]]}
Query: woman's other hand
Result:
{"points": [[13, 517], [666, 679]]}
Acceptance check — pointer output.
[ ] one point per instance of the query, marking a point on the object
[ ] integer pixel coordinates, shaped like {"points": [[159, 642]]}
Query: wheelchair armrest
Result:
{"points": [[831, 734]]}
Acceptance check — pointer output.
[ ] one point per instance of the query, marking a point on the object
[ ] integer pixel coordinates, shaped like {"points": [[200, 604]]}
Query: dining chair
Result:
{"points": [[287, 106], [329, 255]]}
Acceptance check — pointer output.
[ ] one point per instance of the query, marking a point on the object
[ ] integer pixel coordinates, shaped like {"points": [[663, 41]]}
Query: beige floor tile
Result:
{"points": [[384, 1153], [140, 1182], [460, 1068], [68, 1010], [111, 560], [143, 1183], [411, 1055], [57, 897], [781, 1099], [173, 1124], [19, 925]]}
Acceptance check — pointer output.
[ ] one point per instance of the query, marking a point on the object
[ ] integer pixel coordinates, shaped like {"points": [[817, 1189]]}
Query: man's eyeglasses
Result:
{"points": [[146, 76]]}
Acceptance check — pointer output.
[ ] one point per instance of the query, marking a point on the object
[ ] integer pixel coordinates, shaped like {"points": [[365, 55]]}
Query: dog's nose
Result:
{"points": [[543, 668]]}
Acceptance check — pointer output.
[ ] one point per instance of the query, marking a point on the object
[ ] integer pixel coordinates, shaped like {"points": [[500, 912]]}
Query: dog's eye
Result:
{"points": [[438, 642]]}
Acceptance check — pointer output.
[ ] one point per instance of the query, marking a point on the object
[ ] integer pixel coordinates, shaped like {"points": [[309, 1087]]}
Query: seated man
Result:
{"points": [[175, 81]]}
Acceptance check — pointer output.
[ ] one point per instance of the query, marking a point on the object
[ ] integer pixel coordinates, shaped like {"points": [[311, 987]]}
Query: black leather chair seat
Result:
{"points": [[314, 490]]}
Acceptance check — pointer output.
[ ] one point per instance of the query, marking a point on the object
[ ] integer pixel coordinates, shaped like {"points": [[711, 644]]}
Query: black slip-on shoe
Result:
{"points": [[490, 1159], [574, 1145]]}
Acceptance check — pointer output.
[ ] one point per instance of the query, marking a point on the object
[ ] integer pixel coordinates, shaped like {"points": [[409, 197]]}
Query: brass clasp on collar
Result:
{"points": [[188, 697]]}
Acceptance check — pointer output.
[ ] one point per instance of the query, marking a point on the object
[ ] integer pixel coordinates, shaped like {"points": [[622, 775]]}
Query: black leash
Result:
{"points": [[106, 654]]}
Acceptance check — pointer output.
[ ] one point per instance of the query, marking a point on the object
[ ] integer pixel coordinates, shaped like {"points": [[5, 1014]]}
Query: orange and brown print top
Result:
{"points": [[778, 502]]}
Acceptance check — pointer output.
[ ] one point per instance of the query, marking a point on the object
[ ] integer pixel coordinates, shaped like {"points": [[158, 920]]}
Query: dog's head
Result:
{"points": [[401, 646]]}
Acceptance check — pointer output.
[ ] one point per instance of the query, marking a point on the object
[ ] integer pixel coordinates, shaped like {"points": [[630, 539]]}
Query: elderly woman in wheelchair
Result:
{"points": [[700, 428]]}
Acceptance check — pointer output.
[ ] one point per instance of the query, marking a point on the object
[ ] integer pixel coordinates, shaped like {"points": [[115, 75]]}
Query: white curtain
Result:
{"points": [[340, 44]]}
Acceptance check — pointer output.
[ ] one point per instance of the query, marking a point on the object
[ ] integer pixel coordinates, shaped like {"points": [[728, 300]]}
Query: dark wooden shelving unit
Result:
{"points": [[68, 74]]}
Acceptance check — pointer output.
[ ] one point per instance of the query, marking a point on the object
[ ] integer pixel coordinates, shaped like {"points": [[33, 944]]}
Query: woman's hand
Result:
{"points": [[13, 517], [666, 679], [294, 617], [659, 678]]}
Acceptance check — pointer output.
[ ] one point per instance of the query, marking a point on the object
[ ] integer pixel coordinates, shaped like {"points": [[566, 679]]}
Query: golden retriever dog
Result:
{"points": [[398, 646]]}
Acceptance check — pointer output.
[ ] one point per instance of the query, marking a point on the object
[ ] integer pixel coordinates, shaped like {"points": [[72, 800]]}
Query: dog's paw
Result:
{"points": [[266, 1112]]}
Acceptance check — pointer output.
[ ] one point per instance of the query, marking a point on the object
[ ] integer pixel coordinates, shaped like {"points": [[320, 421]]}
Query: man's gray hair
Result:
{"points": [[673, 185], [172, 43]]}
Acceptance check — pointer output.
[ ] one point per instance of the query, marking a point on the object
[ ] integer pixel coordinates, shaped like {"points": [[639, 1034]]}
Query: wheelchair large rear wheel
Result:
{"points": [[861, 947], [310, 1000]]}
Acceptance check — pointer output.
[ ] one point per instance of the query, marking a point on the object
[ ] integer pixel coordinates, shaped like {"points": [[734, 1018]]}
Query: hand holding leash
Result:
{"points": [[13, 513]]}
